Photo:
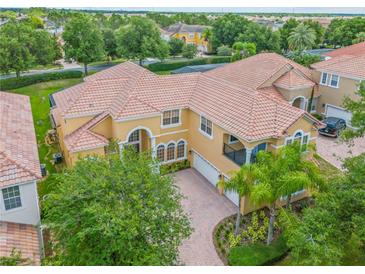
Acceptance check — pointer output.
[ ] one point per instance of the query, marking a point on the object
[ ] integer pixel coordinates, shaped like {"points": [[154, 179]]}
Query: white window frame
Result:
{"points": [[330, 81], [232, 142], [174, 124], [203, 132], [314, 100], [185, 146], [20, 197], [164, 152], [327, 77], [292, 138], [135, 142], [167, 147], [191, 35]]}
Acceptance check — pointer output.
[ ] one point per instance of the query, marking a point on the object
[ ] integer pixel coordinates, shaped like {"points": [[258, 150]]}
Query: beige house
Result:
{"points": [[339, 77], [218, 120]]}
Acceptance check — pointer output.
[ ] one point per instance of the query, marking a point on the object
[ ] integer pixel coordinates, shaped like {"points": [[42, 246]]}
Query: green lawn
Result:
{"points": [[38, 94], [115, 61]]}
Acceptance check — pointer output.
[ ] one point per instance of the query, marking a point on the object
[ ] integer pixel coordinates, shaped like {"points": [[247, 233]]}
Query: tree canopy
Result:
{"points": [[342, 32], [83, 40], [301, 38], [141, 39], [108, 211]]}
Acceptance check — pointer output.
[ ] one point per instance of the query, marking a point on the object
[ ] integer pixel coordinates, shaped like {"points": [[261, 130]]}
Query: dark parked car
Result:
{"points": [[333, 126]]}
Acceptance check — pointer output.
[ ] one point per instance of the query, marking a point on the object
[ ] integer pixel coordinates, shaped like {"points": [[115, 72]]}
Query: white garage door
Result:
{"points": [[232, 195], [206, 169], [332, 111]]}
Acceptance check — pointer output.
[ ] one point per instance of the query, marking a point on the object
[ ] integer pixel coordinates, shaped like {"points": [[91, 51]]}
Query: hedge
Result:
{"points": [[258, 254], [13, 83], [171, 65]]}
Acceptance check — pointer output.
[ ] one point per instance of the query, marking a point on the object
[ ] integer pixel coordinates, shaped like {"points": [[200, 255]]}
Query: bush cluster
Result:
{"points": [[174, 167], [13, 83], [163, 66]]}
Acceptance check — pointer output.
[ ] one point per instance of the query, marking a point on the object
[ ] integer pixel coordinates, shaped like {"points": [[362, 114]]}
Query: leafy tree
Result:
{"points": [[303, 58], [224, 51], [342, 32], [141, 39], [282, 174], [241, 182], [360, 37], [15, 47], [116, 21], [14, 259], [108, 211], [189, 51], [110, 42], [243, 50], [286, 30], [227, 28], [83, 40], [301, 38], [316, 26], [57, 17], [176, 46], [263, 37], [161, 19], [332, 232], [45, 48], [357, 107]]}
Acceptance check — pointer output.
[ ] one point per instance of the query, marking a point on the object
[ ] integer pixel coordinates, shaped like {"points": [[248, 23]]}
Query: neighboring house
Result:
{"points": [[216, 120], [339, 76], [19, 173], [190, 34]]}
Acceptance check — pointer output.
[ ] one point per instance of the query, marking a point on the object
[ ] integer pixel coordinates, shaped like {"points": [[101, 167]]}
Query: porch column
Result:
{"points": [[121, 148], [248, 155], [153, 147]]}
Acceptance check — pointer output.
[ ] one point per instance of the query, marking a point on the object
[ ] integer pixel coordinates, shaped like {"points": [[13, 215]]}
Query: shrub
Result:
{"points": [[317, 116], [13, 83], [258, 254], [224, 51], [176, 166], [189, 51], [171, 65]]}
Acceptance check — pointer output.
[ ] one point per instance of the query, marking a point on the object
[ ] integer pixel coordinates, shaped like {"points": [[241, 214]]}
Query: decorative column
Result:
{"points": [[153, 147], [121, 148], [248, 155]]}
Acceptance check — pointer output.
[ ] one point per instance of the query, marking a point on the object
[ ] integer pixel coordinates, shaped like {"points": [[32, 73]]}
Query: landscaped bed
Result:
{"points": [[249, 246]]}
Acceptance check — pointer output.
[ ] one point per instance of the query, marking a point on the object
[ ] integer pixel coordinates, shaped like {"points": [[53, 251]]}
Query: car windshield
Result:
{"points": [[331, 121]]}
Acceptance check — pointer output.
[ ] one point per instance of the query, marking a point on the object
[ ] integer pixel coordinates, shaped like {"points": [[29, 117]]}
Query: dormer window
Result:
{"points": [[171, 118]]}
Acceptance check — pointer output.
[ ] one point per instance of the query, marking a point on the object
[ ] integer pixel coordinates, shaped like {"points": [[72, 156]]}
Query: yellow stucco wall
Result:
{"points": [[335, 96], [198, 39]]}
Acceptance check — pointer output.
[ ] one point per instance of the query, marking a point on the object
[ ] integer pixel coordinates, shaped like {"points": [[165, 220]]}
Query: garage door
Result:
{"points": [[332, 111], [232, 195], [206, 169]]}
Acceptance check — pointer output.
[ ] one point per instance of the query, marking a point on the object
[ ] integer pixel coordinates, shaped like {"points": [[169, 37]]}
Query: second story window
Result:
{"points": [[334, 81], [206, 126], [11, 196], [171, 117], [324, 78], [191, 35]]}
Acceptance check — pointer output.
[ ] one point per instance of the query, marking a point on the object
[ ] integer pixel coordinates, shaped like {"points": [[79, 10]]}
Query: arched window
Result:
{"points": [[161, 153], [134, 140], [170, 152], [181, 149], [298, 137]]}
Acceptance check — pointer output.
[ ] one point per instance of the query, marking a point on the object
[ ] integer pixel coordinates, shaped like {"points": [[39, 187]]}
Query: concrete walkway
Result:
{"points": [[335, 152], [206, 209]]}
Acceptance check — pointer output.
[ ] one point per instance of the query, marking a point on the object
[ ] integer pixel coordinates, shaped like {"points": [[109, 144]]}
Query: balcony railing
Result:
{"points": [[237, 156]]}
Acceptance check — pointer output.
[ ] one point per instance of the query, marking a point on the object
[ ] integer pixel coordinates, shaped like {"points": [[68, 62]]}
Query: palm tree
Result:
{"points": [[241, 182], [301, 38], [282, 174]]}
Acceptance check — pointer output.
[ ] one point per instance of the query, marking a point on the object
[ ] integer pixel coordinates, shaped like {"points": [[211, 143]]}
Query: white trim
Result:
{"points": [[203, 132], [205, 159], [167, 147], [21, 196], [338, 81], [279, 146], [164, 151], [140, 117], [340, 74], [321, 80], [303, 102], [185, 148], [172, 132], [170, 125], [139, 128], [292, 137]]}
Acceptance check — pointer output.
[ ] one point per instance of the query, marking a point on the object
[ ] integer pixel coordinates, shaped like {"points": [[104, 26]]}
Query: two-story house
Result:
{"points": [[19, 173], [339, 77], [190, 34], [218, 120]]}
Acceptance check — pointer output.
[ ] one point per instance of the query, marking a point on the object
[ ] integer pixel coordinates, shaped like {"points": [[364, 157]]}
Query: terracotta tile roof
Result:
{"points": [[344, 65], [293, 79], [252, 72], [23, 238], [249, 113], [355, 50], [182, 28], [19, 160], [84, 139]]}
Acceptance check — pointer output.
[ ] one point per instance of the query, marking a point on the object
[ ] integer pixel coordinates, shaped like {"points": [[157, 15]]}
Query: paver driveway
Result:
{"points": [[206, 208], [335, 152]]}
